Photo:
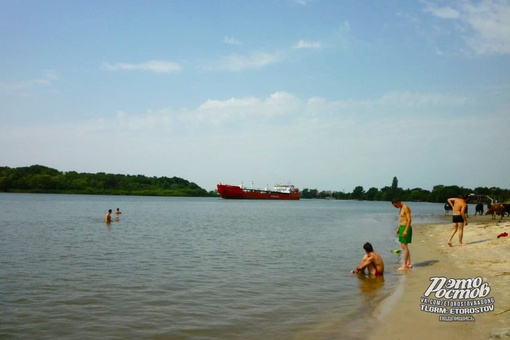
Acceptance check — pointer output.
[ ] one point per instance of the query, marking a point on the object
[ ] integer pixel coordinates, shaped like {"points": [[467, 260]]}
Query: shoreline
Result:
{"points": [[400, 316]]}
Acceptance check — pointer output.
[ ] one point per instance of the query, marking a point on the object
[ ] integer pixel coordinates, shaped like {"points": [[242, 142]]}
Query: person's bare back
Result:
{"points": [[108, 216], [459, 218], [378, 264], [458, 206]]}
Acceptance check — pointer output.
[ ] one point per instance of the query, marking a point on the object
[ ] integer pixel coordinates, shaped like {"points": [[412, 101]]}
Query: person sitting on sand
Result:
{"points": [[108, 217], [372, 261], [459, 217]]}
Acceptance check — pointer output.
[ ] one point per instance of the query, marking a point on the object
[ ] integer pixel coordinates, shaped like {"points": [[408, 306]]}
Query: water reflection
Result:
{"points": [[369, 285]]}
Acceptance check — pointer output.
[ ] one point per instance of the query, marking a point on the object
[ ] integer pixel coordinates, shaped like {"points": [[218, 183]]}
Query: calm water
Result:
{"points": [[198, 268]]}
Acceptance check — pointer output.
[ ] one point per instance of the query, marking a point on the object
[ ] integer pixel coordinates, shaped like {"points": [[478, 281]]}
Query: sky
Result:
{"points": [[323, 94]]}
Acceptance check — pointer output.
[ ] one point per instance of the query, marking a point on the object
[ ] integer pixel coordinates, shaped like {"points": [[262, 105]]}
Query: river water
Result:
{"points": [[192, 268]]}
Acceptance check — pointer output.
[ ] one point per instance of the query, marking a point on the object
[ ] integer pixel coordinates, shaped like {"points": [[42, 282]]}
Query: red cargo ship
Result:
{"points": [[279, 192]]}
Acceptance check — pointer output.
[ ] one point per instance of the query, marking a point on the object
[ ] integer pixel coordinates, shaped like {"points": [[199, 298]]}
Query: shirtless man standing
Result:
{"points": [[108, 216], [404, 231], [459, 217], [371, 260]]}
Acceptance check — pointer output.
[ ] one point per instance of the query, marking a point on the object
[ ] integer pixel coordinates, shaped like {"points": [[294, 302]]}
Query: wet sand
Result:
{"points": [[483, 255]]}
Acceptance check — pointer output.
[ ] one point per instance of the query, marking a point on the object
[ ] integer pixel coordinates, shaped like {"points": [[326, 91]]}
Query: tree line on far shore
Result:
{"points": [[439, 193], [42, 179]]}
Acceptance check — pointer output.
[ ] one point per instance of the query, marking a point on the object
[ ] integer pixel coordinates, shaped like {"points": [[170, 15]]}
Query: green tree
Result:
{"points": [[38, 178], [394, 187], [358, 193], [371, 194]]}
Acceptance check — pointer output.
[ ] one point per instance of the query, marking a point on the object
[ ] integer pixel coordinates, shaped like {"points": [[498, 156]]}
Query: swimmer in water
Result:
{"points": [[108, 217]]}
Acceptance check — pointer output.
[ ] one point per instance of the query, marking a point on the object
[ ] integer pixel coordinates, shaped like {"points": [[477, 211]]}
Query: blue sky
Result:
{"points": [[325, 94]]}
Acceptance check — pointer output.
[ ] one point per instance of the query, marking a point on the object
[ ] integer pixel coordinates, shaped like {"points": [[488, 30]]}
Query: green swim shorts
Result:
{"points": [[409, 236]]}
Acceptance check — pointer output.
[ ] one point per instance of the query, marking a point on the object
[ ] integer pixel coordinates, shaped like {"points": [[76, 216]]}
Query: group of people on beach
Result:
{"points": [[108, 216], [374, 263]]}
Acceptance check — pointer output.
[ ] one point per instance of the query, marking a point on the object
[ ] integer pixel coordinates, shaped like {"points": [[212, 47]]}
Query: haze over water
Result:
{"points": [[202, 268]]}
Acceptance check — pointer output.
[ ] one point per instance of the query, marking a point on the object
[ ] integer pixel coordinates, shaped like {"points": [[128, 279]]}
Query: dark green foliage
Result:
{"points": [[41, 179], [439, 194]]}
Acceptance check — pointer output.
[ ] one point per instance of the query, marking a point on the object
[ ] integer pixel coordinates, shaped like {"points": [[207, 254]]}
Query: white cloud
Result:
{"points": [[415, 100], [151, 66], [285, 110], [304, 2], [490, 21], [307, 44], [445, 12], [315, 142], [231, 41], [259, 110], [483, 25], [13, 87], [21, 88], [235, 103], [236, 63]]}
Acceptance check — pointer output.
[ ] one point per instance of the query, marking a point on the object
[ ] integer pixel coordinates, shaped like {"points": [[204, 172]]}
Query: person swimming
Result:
{"points": [[117, 212]]}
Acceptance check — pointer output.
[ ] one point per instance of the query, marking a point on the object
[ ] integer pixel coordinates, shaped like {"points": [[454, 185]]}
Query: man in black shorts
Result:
{"points": [[459, 218]]}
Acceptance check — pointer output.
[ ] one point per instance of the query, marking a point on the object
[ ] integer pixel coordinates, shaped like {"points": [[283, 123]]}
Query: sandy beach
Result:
{"points": [[404, 315]]}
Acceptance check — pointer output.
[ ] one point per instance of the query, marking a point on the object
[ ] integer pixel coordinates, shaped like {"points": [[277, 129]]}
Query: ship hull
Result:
{"points": [[236, 192]]}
